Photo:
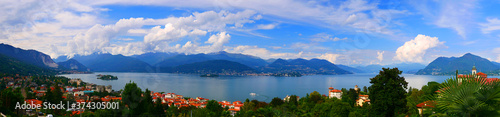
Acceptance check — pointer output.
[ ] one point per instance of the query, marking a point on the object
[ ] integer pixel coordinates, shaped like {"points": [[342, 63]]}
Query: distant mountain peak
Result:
{"points": [[470, 55]]}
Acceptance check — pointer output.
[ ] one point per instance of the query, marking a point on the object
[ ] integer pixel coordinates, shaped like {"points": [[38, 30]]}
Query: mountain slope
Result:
{"points": [[73, 65], [405, 67], [112, 63], [350, 69], [11, 65], [248, 60], [313, 66], [29, 56], [444, 65], [154, 57], [213, 67], [370, 68]]}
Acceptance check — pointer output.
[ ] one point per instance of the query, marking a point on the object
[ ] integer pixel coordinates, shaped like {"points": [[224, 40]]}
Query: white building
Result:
{"points": [[334, 93]]}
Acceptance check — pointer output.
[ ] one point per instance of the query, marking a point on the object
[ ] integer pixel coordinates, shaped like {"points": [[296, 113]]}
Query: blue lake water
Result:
{"points": [[233, 88]]}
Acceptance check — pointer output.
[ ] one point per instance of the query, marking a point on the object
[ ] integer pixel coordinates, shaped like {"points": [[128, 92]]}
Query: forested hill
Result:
{"points": [[11, 65], [73, 64], [448, 65], [29, 56]]}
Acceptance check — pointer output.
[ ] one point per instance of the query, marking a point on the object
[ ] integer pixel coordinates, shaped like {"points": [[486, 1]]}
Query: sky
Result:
{"points": [[350, 32]]}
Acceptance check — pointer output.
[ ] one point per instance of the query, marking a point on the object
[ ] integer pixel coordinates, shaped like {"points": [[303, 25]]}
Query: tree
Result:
{"points": [[315, 97], [293, 100], [365, 89], [214, 107], [147, 102], [276, 102], [388, 93], [350, 96], [131, 96], [415, 97], [430, 89], [9, 99], [158, 108]]}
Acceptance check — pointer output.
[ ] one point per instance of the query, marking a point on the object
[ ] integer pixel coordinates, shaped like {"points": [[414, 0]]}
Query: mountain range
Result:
{"points": [[113, 63], [464, 64], [303, 66], [221, 62], [154, 57], [212, 67], [181, 59]]}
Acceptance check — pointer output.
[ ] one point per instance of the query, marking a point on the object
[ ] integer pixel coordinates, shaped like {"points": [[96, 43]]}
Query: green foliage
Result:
{"points": [[8, 100], [107, 77], [131, 97], [430, 89], [469, 97], [415, 97], [350, 96], [214, 107], [388, 93], [276, 102], [365, 89], [147, 102], [315, 97]]}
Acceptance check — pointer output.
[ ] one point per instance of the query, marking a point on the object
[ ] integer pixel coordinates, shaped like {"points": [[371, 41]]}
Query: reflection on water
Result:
{"points": [[233, 88]]}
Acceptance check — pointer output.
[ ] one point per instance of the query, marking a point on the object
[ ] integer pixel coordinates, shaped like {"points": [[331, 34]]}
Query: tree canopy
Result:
{"points": [[388, 93]]}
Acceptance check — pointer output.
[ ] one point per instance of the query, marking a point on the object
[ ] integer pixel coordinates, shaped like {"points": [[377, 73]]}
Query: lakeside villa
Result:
{"points": [[335, 93]]}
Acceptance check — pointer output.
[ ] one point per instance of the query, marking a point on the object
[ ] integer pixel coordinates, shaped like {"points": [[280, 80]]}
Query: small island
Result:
{"points": [[209, 75], [107, 77]]}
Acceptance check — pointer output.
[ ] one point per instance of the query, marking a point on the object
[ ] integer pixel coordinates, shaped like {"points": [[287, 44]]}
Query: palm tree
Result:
{"points": [[469, 96]]}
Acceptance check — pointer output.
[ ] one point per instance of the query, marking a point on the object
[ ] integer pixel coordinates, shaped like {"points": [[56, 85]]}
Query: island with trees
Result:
{"points": [[107, 77]]}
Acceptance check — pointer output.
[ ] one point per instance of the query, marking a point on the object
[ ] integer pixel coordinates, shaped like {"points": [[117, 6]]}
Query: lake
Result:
{"points": [[234, 88]]}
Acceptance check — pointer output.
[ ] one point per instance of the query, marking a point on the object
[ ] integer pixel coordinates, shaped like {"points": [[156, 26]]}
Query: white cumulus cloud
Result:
{"points": [[330, 57], [380, 55], [414, 50]]}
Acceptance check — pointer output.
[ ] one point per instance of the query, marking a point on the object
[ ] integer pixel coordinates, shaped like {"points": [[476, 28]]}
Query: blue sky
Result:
{"points": [[351, 32]]}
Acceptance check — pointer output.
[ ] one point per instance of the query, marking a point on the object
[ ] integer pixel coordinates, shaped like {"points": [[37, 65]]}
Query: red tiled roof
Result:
{"points": [[480, 73], [427, 104], [237, 102], [33, 101], [335, 90]]}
